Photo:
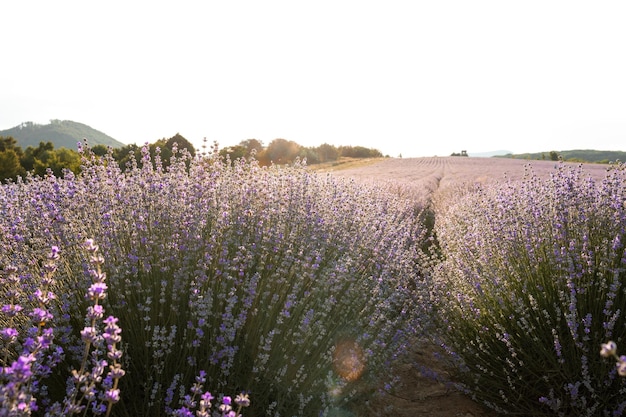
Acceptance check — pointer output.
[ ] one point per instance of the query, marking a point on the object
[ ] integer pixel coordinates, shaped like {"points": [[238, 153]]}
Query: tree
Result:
{"points": [[57, 161], [310, 155], [99, 150], [164, 150], [67, 159], [252, 145], [10, 143], [233, 152], [126, 154], [327, 152], [10, 167], [182, 144], [31, 154], [282, 151], [554, 156], [359, 152]]}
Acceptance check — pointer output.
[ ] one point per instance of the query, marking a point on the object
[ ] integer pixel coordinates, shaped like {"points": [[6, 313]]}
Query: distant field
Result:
{"points": [[426, 175], [345, 163]]}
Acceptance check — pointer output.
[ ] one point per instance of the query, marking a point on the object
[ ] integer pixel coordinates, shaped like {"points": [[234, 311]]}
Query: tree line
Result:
{"points": [[17, 162], [282, 151]]}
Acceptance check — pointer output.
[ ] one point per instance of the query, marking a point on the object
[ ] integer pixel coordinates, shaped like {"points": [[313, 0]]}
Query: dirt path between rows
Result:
{"points": [[420, 395]]}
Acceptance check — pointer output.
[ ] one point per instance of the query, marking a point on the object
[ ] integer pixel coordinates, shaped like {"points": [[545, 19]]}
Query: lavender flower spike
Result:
{"points": [[608, 349]]}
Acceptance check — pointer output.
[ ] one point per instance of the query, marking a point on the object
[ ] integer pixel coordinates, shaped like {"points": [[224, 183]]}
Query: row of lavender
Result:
{"points": [[531, 283], [294, 288]]}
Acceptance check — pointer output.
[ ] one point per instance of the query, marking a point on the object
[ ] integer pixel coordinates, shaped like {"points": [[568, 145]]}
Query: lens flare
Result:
{"points": [[348, 360]]}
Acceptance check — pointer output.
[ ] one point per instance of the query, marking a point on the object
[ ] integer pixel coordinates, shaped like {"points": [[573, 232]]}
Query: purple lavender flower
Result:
{"points": [[112, 330], [44, 298], [97, 291], [9, 334], [89, 334], [11, 310], [95, 312], [608, 349], [20, 369], [621, 365], [54, 253], [207, 397], [225, 407], [41, 316], [112, 395], [242, 400], [116, 371], [183, 412], [90, 246]]}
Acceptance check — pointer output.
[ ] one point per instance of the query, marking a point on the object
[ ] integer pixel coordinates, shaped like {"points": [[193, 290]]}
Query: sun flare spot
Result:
{"points": [[348, 360]]}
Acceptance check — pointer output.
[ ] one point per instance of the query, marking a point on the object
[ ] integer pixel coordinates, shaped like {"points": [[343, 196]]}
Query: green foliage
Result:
{"points": [[127, 155], [327, 153], [181, 143], [249, 148], [32, 154], [252, 145], [234, 152], [10, 167], [10, 155], [99, 150], [281, 151], [576, 155], [462, 153], [43, 158], [56, 161], [359, 152], [9, 143]]}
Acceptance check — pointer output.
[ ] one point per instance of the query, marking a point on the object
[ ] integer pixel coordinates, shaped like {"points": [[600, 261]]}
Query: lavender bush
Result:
{"points": [[292, 287], [34, 340], [532, 281]]}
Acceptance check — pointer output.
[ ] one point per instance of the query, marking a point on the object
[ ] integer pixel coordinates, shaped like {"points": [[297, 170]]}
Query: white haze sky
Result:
{"points": [[417, 78]]}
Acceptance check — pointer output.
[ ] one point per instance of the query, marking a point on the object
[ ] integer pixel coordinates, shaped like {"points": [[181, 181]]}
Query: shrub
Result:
{"points": [[532, 281], [33, 348], [295, 288]]}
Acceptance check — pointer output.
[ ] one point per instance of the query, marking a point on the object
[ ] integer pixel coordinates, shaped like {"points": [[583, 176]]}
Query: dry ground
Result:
{"points": [[420, 395], [344, 163]]}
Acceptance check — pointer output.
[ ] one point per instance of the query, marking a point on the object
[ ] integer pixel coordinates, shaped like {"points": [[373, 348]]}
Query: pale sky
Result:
{"points": [[417, 78]]}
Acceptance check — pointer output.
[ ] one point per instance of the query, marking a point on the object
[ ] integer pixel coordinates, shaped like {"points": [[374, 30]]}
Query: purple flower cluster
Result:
{"points": [[204, 404], [26, 344], [531, 281], [23, 378]]}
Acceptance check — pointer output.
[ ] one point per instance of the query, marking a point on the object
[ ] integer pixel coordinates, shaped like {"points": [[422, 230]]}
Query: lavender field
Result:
{"points": [[529, 277], [423, 176], [205, 287]]}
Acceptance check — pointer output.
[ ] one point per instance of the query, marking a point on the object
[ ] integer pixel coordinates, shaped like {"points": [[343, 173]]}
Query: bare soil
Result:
{"points": [[418, 394]]}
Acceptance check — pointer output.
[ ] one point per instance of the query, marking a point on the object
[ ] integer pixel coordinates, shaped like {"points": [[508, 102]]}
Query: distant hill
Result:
{"points": [[576, 155], [62, 133]]}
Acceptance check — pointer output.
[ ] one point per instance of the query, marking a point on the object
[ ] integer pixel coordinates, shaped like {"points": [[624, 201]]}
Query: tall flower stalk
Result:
{"points": [[20, 376], [90, 386]]}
